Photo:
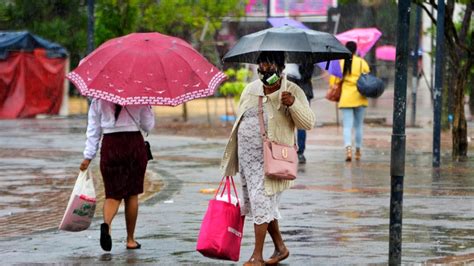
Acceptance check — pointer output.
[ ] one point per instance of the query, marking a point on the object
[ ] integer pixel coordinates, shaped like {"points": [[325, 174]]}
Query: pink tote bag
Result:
{"points": [[222, 227]]}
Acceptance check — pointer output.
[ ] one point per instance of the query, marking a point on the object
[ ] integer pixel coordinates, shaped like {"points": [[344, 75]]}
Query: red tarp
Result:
{"points": [[30, 84]]}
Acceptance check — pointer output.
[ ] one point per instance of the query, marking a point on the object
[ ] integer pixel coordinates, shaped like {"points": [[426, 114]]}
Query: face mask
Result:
{"points": [[269, 78]]}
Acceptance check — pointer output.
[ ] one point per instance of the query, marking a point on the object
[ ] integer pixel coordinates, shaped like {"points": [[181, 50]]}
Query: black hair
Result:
{"points": [[275, 57], [351, 46], [118, 109]]}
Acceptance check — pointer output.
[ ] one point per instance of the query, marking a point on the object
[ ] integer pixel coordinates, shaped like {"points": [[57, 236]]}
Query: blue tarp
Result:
{"points": [[25, 41]]}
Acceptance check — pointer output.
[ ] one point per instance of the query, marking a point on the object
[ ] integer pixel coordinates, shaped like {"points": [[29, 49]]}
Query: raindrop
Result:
{"points": [[197, 84], [148, 89], [160, 92], [119, 90], [138, 81]]}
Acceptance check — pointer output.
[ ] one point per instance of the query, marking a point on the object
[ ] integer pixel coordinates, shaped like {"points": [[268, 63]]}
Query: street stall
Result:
{"points": [[32, 72]]}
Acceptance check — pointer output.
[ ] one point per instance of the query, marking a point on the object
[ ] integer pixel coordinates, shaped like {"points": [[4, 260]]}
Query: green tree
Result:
{"points": [[60, 21], [460, 53], [236, 82], [196, 21], [115, 18]]}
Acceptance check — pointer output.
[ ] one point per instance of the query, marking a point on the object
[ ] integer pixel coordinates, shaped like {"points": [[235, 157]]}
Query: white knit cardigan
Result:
{"points": [[282, 122]]}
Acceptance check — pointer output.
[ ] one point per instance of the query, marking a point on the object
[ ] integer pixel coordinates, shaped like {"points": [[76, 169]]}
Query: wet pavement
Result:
{"points": [[337, 213]]}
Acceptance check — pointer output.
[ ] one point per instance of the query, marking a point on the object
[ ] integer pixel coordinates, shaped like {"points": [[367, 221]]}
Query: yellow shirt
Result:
{"points": [[350, 96]]}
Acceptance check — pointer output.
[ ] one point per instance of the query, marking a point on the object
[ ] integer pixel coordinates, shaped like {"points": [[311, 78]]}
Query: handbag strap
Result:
{"points": [[134, 121], [260, 118]]}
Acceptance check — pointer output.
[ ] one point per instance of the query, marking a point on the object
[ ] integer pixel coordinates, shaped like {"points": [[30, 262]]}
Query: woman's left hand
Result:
{"points": [[287, 99]]}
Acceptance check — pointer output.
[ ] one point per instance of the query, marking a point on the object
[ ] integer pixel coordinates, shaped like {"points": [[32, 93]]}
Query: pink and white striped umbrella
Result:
{"points": [[146, 68]]}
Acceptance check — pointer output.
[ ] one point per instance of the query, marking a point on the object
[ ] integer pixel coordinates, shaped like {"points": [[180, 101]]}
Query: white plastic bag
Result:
{"points": [[81, 207]]}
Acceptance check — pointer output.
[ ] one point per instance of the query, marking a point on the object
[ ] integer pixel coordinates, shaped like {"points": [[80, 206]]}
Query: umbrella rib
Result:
{"points": [[187, 61], [107, 62], [163, 71]]}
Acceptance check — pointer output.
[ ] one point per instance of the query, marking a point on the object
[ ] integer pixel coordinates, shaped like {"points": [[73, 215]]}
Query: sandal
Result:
{"points": [[105, 239], [138, 246]]}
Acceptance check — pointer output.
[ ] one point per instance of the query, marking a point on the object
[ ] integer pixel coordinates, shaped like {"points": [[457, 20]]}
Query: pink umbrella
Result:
{"points": [[146, 68], [386, 52], [364, 37]]}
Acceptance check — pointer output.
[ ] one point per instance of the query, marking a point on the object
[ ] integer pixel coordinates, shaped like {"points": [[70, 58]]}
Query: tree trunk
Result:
{"points": [[459, 131], [471, 95]]}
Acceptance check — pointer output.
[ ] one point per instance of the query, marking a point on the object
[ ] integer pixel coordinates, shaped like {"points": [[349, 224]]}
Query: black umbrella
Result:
{"points": [[299, 45]]}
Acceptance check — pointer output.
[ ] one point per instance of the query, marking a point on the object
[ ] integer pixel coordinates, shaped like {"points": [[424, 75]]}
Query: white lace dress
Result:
{"points": [[257, 204]]}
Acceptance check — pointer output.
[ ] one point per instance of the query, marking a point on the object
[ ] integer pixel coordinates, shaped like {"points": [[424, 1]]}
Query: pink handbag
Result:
{"points": [[222, 227], [280, 161]]}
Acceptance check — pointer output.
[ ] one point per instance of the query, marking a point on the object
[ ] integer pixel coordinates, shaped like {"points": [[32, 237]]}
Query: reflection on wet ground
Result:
{"points": [[38, 169], [337, 213]]}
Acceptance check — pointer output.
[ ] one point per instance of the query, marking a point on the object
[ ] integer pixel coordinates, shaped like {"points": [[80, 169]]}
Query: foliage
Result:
{"points": [[460, 56], [196, 21], [60, 21], [236, 83], [115, 18]]}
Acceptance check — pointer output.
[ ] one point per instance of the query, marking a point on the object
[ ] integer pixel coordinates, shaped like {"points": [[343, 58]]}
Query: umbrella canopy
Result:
{"points": [[364, 37], [386, 52], [146, 68], [334, 68], [299, 45]]}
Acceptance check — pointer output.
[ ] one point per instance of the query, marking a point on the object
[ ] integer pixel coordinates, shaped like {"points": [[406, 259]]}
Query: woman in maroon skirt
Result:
{"points": [[123, 160]]}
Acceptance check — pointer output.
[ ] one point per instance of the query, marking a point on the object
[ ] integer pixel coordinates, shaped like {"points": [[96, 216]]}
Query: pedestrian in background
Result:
{"points": [[123, 160], [285, 108], [302, 74], [352, 103]]}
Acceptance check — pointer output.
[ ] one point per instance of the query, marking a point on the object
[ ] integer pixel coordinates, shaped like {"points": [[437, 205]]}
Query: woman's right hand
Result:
{"points": [[85, 164]]}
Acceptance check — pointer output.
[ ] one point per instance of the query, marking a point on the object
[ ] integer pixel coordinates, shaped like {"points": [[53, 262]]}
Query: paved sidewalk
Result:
{"points": [[336, 214]]}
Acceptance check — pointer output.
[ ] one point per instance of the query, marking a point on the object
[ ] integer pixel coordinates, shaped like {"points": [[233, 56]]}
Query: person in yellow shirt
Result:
{"points": [[352, 103]]}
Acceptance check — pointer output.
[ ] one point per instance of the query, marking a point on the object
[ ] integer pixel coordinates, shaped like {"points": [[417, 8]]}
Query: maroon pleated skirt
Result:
{"points": [[123, 162]]}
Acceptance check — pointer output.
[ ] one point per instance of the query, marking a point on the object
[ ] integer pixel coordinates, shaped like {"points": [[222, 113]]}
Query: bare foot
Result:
{"points": [[254, 262], [278, 255]]}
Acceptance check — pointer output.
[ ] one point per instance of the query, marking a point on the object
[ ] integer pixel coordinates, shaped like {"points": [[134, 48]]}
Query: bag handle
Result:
{"points": [[228, 181]]}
